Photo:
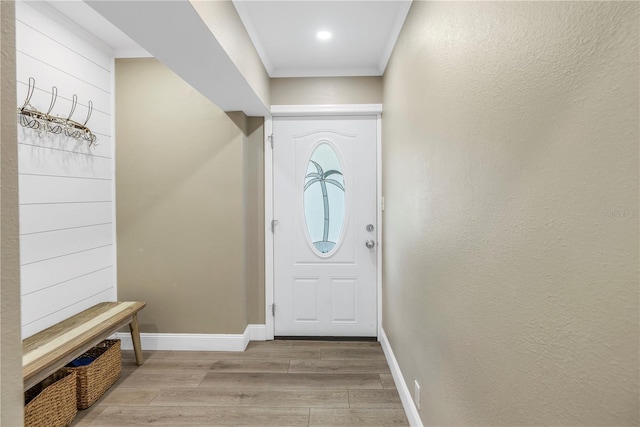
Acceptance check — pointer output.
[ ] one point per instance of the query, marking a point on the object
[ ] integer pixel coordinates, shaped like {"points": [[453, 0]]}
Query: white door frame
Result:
{"points": [[315, 111]]}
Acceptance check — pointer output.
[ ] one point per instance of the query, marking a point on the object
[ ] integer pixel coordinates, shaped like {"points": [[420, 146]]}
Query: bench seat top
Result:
{"points": [[52, 348]]}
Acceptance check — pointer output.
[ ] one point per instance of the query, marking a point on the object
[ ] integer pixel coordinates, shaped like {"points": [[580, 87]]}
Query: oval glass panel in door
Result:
{"points": [[324, 198]]}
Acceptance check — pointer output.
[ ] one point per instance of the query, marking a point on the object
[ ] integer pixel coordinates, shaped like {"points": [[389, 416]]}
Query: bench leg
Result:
{"points": [[135, 337]]}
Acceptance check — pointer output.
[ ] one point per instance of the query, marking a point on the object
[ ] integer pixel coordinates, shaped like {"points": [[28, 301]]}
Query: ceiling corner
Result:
{"points": [[132, 53], [56, 11], [394, 33], [247, 21]]}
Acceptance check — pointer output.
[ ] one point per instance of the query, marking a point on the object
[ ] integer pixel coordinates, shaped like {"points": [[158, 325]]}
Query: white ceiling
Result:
{"points": [[364, 33]]}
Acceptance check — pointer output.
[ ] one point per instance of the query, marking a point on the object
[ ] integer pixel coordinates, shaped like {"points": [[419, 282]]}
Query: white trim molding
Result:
{"points": [[326, 72], [405, 396], [268, 234], [196, 342], [255, 332], [379, 205], [325, 110], [186, 342]]}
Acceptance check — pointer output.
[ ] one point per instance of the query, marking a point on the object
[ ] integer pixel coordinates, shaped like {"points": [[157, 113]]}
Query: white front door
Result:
{"points": [[325, 249]]}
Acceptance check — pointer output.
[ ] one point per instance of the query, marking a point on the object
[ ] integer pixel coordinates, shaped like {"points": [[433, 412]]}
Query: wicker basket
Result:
{"points": [[96, 378], [51, 403]]}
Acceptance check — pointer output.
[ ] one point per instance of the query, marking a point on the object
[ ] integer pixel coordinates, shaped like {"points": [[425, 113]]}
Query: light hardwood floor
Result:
{"points": [[273, 383]]}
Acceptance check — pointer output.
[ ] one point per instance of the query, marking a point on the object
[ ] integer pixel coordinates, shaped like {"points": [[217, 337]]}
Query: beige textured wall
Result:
{"points": [[181, 207], [326, 90], [510, 134], [222, 19], [11, 398]]}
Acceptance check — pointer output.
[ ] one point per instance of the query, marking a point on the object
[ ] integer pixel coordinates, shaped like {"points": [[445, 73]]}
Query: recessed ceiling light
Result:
{"points": [[323, 35]]}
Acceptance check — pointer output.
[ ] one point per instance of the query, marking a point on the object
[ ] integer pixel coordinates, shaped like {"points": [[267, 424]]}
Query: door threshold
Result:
{"points": [[324, 338]]}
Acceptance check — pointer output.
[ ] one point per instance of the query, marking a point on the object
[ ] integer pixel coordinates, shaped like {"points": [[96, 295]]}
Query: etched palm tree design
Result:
{"points": [[323, 179]]}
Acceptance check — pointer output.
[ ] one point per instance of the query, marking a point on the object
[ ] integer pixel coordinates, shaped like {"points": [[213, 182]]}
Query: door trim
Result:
{"points": [[326, 110], [315, 111]]}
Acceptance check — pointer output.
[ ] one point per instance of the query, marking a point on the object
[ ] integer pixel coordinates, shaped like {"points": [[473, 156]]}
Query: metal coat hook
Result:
{"points": [[52, 124], [74, 103], [30, 89], [28, 113]]}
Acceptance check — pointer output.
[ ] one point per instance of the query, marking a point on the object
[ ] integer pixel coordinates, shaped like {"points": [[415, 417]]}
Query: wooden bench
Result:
{"points": [[49, 350]]}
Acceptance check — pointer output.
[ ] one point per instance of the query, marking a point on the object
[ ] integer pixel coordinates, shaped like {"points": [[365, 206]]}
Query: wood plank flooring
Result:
{"points": [[273, 383]]}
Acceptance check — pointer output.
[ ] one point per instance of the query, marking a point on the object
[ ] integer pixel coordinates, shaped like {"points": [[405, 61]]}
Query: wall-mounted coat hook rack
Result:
{"points": [[31, 117]]}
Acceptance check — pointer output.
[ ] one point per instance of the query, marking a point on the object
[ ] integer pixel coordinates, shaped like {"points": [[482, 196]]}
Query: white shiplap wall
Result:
{"points": [[67, 239]]}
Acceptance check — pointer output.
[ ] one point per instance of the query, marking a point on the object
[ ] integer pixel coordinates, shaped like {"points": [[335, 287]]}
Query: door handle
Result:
{"points": [[370, 244]]}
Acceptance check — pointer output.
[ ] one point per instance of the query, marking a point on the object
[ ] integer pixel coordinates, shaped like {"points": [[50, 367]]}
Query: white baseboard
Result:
{"points": [[196, 342], [405, 396], [256, 332]]}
